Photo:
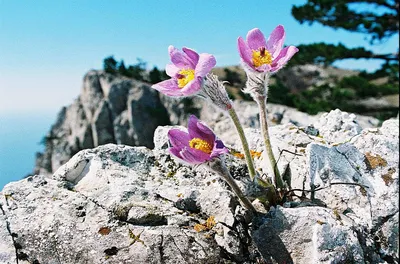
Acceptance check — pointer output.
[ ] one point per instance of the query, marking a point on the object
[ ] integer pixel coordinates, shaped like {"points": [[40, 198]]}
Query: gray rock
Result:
{"points": [[125, 204], [115, 109], [92, 93], [109, 110], [122, 129], [145, 113], [360, 180], [338, 126], [8, 253], [307, 235], [366, 204], [102, 126], [120, 206]]}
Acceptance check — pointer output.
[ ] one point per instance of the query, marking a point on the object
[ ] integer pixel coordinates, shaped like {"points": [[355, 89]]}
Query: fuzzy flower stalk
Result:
{"points": [[215, 92], [190, 75], [261, 58], [200, 146]]}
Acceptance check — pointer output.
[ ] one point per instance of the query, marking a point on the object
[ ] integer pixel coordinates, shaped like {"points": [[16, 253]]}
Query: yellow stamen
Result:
{"points": [[185, 76], [200, 144], [261, 57]]}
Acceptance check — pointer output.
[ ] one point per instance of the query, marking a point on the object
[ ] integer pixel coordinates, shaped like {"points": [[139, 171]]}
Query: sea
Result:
{"points": [[20, 137]]}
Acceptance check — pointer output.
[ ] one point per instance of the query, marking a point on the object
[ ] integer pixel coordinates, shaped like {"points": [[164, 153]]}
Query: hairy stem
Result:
{"points": [[220, 168], [261, 101], [245, 145]]}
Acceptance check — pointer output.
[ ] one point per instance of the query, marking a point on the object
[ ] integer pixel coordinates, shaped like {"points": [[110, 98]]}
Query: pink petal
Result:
{"points": [[170, 87], [192, 87], [255, 39], [166, 86], [198, 129], [275, 41], [171, 70], [194, 156], [176, 152], [178, 138], [205, 64], [193, 55], [180, 59], [264, 68], [284, 56], [219, 149], [245, 52]]}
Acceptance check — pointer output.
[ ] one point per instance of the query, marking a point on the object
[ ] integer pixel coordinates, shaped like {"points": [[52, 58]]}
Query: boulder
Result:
{"points": [[122, 204]]}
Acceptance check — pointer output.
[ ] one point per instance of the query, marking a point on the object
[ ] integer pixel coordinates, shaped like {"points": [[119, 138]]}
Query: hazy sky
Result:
{"points": [[47, 46]]}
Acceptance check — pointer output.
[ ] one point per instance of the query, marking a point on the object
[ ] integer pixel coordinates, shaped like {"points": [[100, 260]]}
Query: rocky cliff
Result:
{"points": [[122, 204], [109, 110], [119, 110]]}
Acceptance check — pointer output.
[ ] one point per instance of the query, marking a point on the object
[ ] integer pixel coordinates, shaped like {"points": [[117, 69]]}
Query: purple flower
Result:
{"points": [[187, 71], [196, 146], [265, 56]]}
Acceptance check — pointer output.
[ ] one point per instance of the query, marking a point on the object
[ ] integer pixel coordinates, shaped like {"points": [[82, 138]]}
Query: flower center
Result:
{"points": [[200, 144], [261, 57], [184, 77]]}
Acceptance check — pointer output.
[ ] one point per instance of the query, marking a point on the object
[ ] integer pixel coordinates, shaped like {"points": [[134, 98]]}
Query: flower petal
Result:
{"points": [[264, 68], [245, 52], [168, 87], [275, 41], [171, 70], [192, 87], [205, 64], [176, 152], [197, 129], [180, 59], [284, 56], [178, 138], [193, 55], [255, 39], [219, 149], [194, 156]]}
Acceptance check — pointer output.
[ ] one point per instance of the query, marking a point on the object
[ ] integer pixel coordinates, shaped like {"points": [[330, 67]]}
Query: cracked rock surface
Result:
{"points": [[120, 204]]}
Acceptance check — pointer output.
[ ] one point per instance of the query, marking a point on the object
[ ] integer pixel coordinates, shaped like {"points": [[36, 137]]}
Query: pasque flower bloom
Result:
{"points": [[199, 145], [187, 72], [265, 56], [196, 146]]}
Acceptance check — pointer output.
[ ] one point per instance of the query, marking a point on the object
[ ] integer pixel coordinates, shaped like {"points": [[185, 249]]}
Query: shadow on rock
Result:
{"points": [[269, 244]]}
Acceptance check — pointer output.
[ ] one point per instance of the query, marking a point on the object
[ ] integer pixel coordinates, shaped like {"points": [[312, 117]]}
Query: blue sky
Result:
{"points": [[46, 46]]}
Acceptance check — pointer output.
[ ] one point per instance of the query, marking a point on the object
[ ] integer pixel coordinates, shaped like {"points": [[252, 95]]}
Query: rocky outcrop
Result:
{"points": [[109, 110], [119, 110], [121, 204]]}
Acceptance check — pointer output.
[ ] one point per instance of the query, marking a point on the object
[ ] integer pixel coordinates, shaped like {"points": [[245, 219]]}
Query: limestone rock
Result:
{"points": [[307, 235], [115, 109], [109, 109], [145, 114], [8, 253], [102, 126], [338, 126], [121, 204]]}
